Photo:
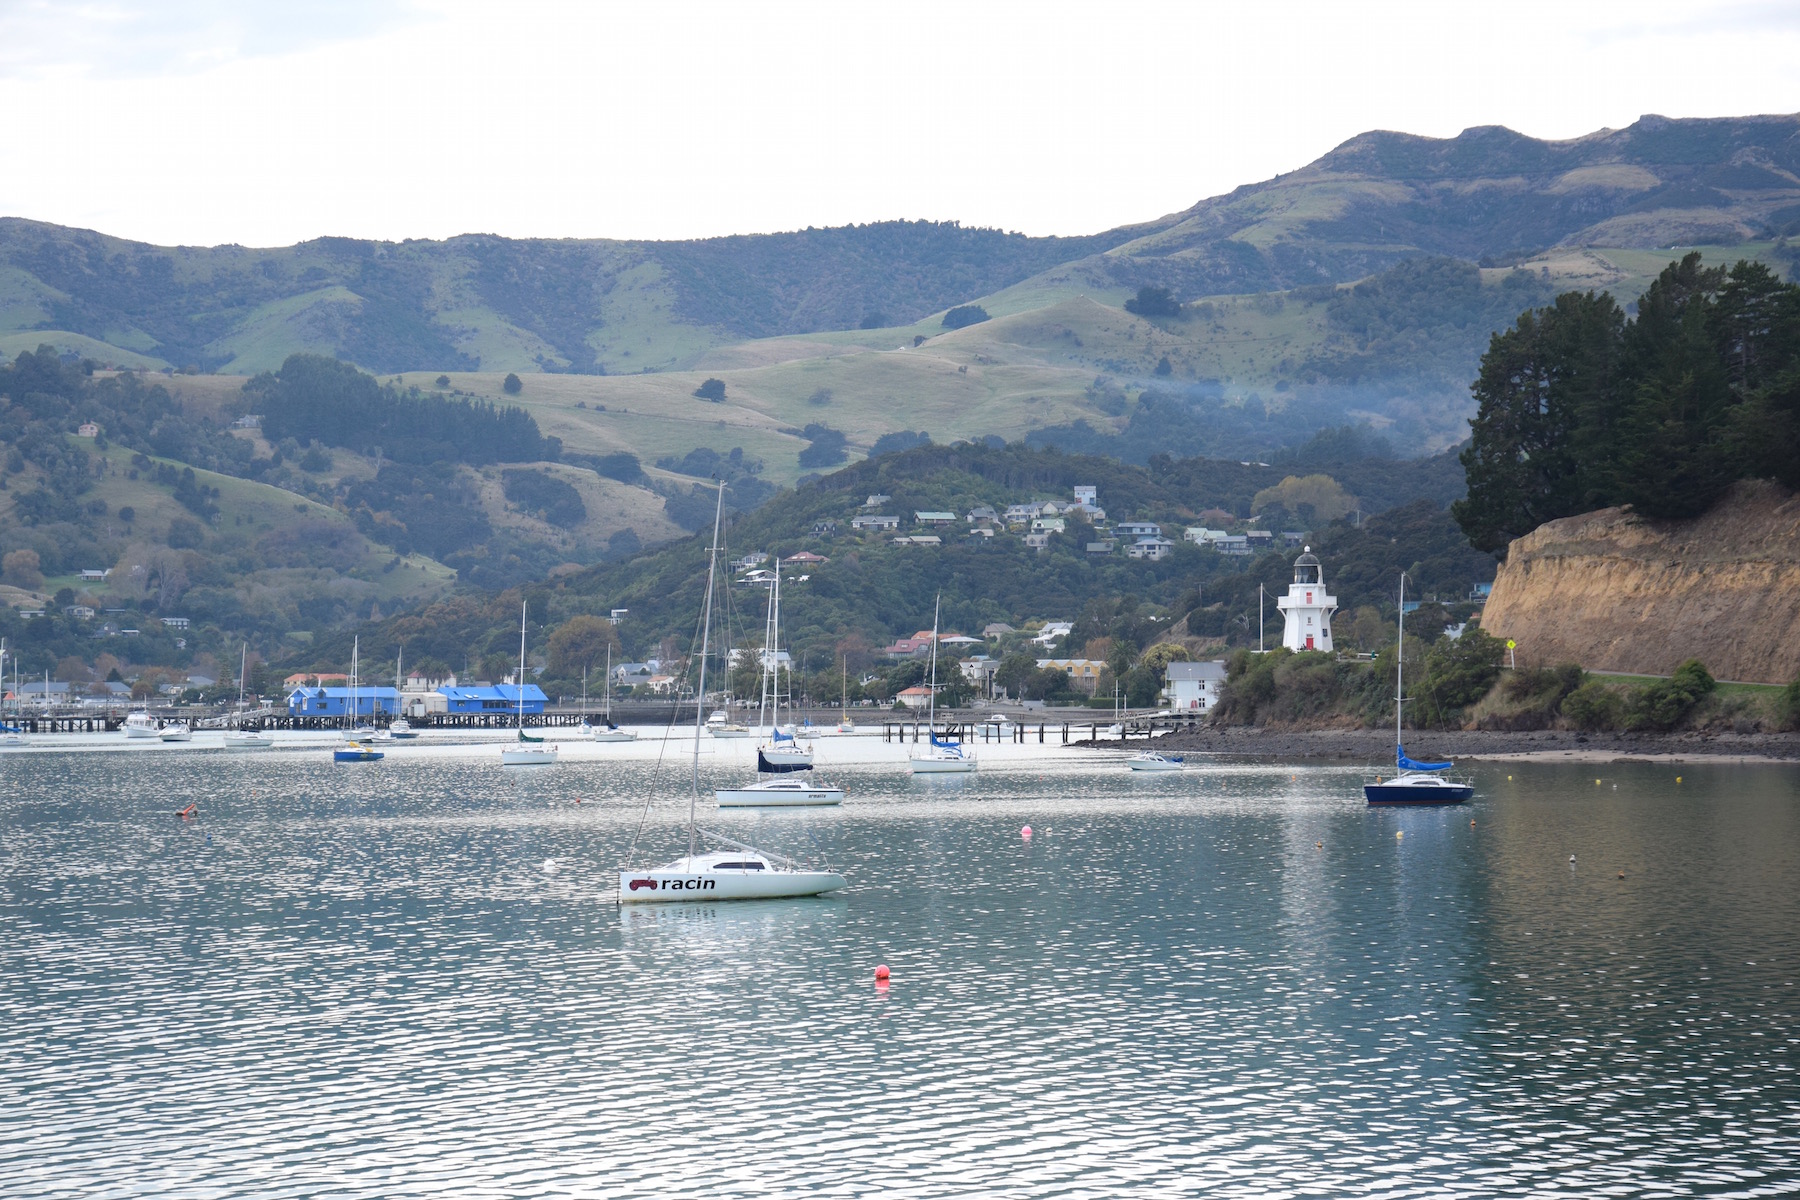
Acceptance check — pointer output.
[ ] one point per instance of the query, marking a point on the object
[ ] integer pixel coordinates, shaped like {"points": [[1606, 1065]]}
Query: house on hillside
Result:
{"points": [[1153, 548], [1193, 687], [1037, 541], [1138, 529], [805, 558], [1048, 525], [996, 629], [916, 697], [935, 518], [876, 501], [875, 521], [1083, 673], [1103, 546], [87, 429], [983, 514], [920, 539], [1051, 631]]}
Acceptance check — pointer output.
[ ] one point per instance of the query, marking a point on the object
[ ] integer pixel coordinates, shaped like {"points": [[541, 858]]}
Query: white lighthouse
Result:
{"points": [[1307, 608]]}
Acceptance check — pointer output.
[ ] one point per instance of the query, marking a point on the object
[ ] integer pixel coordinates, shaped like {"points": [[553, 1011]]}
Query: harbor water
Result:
{"points": [[410, 978]]}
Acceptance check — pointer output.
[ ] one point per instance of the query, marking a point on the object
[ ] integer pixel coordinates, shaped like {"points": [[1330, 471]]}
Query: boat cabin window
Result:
{"points": [[738, 866]]}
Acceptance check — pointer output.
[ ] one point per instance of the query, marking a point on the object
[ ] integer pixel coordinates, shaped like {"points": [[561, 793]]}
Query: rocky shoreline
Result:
{"points": [[1377, 745]]}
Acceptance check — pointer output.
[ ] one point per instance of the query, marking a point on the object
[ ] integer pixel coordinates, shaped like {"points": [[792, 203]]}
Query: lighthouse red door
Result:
{"points": [[1309, 644]]}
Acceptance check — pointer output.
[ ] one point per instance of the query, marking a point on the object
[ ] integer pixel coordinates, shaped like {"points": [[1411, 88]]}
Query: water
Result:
{"points": [[404, 979]]}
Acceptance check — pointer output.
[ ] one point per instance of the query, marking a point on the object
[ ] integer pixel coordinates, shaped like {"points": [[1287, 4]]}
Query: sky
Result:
{"points": [[208, 122]]}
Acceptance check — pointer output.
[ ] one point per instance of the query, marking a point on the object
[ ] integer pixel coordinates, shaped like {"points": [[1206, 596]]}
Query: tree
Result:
{"points": [[1328, 499], [1154, 302], [443, 381], [964, 315], [1544, 389], [1164, 368], [512, 385], [1014, 671], [580, 644], [713, 390], [24, 569]]}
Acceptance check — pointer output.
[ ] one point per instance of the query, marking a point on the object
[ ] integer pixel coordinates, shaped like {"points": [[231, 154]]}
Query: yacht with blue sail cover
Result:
{"points": [[944, 756], [1417, 782]]}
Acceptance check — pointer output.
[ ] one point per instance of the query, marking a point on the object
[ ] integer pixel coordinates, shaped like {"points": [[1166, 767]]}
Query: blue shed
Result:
{"points": [[335, 701], [501, 698]]}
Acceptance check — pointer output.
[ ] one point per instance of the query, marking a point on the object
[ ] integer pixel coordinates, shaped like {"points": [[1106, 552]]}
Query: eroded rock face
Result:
{"points": [[1617, 592]]}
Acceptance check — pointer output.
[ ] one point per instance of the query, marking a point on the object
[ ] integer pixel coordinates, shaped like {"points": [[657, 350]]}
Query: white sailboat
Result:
{"points": [[12, 734], [845, 724], [740, 871], [357, 746], [781, 752], [241, 738], [941, 756], [609, 732], [531, 751], [400, 729], [781, 760]]}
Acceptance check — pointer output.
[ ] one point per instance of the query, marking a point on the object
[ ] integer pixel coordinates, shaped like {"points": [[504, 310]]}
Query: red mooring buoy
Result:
{"points": [[881, 972]]}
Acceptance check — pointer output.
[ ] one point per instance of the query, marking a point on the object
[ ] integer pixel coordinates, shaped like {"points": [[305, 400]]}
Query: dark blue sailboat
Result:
{"points": [[1417, 782]]}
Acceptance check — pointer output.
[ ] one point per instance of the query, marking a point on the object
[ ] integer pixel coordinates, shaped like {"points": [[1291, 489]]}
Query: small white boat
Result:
{"points": [[998, 728], [245, 739], [178, 732], [724, 875], [528, 756], [605, 733], [846, 726], [1115, 730], [14, 739], [728, 730], [139, 725], [1150, 760], [356, 752], [400, 729], [783, 792]]}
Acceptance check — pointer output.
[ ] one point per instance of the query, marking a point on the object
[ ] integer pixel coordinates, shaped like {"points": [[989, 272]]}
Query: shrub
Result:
{"points": [[443, 381], [1666, 703], [1458, 672], [963, 316], [1594, 707], [511, 385], [1787, 706], [1163, 367], [23, 569], [712, 389]]}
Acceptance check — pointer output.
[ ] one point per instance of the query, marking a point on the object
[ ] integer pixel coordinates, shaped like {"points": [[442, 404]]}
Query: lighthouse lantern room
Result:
{"points": [[1307, 607]]}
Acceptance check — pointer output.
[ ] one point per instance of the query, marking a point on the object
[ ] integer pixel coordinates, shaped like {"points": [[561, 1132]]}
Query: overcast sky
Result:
{"points": [[208, 121]]}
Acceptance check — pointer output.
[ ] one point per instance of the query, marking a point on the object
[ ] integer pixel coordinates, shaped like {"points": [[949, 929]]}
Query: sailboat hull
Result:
{"points": [[612, 735], [788, 757], [1406, 792], [781, 794], [666, 887], [941, 766], [728, 731], [528, 756]]}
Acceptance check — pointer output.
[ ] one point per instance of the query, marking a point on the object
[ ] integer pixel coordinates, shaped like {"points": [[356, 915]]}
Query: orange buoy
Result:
{"points": [[881, 972]]}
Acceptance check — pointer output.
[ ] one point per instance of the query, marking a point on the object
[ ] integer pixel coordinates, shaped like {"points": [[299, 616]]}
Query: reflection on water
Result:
{"points": [[406, 979]]}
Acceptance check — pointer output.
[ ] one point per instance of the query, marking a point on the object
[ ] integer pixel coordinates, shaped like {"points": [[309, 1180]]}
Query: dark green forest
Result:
{"points": [[1583, 406]]}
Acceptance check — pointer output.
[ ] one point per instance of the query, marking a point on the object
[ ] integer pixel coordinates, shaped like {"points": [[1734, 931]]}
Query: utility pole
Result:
{"points": [[1259, 618]]}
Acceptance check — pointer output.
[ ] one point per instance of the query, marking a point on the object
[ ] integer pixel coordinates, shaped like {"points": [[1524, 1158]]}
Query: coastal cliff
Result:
{"points": [[1614, 591]]}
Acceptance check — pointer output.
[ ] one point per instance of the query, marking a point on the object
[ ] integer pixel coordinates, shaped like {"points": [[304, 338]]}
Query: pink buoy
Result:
{"points": [[1025, 833], [881, 972]]}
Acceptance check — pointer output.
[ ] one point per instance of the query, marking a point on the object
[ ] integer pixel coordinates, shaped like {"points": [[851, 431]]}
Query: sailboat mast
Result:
{"points": [[519, 679], [931, 701], [1400, 661], [712, 560]]}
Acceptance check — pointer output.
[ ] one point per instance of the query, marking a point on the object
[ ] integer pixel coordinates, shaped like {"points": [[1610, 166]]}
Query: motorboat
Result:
{"points": [[739, 871], [176, 732], [140, 725], [400, 729], [1417, 782], [942, 756], [998, 728], [356, 752], [779, 792], [1150, 760]]}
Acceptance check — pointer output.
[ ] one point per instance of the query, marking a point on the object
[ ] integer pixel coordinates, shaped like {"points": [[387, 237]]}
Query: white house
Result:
{"points": [[1051, 631], [1037, 541], [1193, 687], [1137, 529], [1087, 497], [875, 522], [1307, 606], [1048, 525]]}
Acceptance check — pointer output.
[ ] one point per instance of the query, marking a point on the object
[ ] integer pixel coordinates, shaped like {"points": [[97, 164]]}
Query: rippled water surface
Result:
{"points": [[409, 978]]}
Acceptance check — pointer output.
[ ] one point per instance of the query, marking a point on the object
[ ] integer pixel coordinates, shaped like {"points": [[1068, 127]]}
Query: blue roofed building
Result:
{"points": [[336, 701], [497, 698]]}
